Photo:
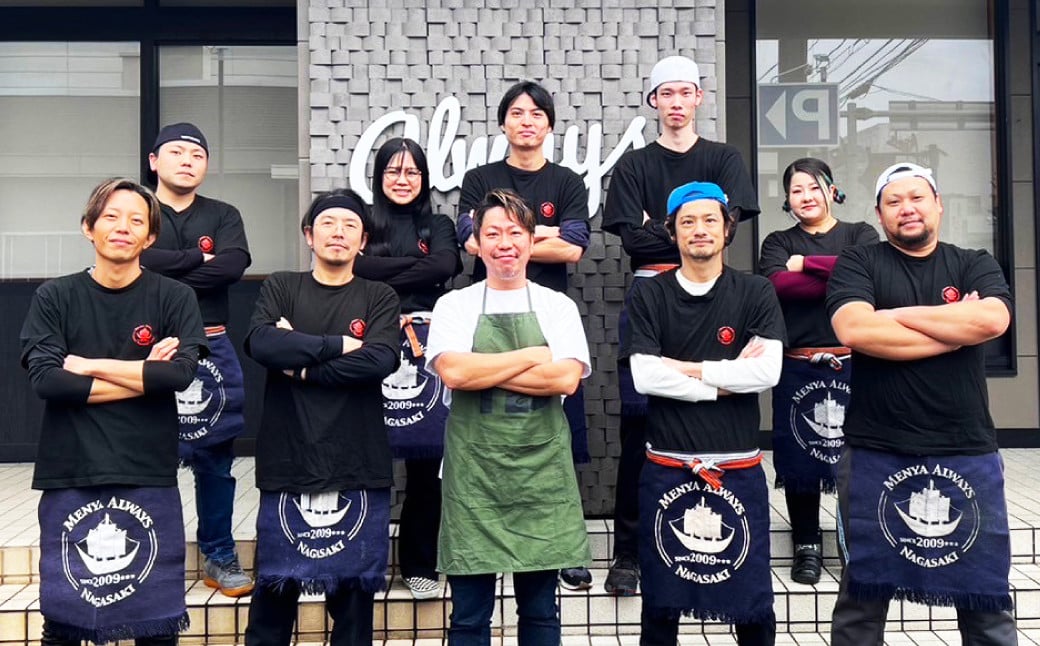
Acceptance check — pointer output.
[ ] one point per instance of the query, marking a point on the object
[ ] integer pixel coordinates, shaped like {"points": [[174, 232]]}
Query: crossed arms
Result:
{"points": [[528, 371]]}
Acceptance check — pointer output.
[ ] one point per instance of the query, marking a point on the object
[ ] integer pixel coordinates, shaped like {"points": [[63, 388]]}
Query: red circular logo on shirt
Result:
{"points": [[951, 294], [143, 335], [548, 209], [206, 244], [726, 335], [357, 328], [423, 247]]}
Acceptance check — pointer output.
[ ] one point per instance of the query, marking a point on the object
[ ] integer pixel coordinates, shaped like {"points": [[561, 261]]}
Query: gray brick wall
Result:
{"points": [[367, 59]]}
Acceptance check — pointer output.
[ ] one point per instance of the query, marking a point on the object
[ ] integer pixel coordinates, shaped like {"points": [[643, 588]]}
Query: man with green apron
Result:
{"points": [[508, 349]]}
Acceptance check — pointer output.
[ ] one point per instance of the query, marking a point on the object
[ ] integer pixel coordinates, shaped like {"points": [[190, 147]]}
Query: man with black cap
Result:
{"points": [[328, 338], [705, 340], [202, 243], [920, 484], [635, 210]]}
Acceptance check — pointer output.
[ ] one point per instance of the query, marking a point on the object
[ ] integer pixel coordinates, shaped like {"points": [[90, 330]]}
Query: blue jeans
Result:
{"points": [[473, 601], [214, 500]]}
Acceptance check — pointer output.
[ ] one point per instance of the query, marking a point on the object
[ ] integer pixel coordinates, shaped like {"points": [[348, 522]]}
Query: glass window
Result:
{"points": [[70, 120], [244, 100], [862, 92]]}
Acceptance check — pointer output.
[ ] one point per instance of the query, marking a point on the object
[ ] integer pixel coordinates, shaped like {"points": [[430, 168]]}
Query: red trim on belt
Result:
{"points": [[704, 470], [659, 267], [807, 353], [215, 330]]}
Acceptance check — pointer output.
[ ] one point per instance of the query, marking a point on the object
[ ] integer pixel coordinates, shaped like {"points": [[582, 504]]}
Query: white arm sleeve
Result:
{"points": [[747, 375], [652, 377]]}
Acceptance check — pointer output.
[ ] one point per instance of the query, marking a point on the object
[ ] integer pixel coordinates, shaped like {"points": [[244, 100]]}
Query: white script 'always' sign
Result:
{"points": [[443, 145]]}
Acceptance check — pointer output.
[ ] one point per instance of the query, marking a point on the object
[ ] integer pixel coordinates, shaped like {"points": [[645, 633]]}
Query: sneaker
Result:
{"points": [[808, 559], [228, 578], [623, 578], [576, 578], [422, 587]]}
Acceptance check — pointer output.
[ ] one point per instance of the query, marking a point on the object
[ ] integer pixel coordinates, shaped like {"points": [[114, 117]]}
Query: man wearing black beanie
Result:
{"points": [[203, 244]]}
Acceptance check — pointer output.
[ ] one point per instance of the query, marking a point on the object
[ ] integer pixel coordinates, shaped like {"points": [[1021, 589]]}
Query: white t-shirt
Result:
{"points": [[456, 313]]}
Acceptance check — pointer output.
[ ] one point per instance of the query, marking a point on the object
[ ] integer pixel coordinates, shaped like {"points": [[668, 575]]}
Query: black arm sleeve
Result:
{"points": [[280, 349], [367, 363], [225, 268], [173, 375], [650, 240], [774, 256], [52, 382], [171, 262], [413, 272]]}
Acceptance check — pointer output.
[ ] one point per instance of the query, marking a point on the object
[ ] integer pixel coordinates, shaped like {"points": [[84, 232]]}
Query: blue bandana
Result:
{"points": [[112, 562], [930, 530], [210, 409], [705, 551], [809, 407], [695, 191], [323, 541]]}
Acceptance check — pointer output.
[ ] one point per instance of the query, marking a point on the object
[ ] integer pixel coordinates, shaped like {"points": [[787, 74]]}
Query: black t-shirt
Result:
{"points": [[417, 269], [325, 432], [933, 406], [207, 226], [556, 194], [125, 442], [643, 179], [668, 321], [807, 322]]}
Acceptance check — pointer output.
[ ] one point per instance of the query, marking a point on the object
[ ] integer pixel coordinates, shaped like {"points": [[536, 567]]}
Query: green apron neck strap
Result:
{"points": [[527, 289]]}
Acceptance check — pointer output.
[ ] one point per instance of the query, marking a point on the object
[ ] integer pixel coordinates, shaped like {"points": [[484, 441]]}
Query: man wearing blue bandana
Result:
{"points": [[705, 340], [920, 485], [328, 338]]}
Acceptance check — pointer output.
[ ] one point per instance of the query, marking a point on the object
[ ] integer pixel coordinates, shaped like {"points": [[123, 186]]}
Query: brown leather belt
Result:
{"points": [[705, 469]]}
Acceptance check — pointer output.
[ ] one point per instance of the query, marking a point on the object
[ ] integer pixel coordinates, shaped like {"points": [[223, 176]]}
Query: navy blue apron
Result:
{"points": [[931, 530], [323, 541], [112, 562], [413, 397], [809, 407], [210, 408], [703, 548]]}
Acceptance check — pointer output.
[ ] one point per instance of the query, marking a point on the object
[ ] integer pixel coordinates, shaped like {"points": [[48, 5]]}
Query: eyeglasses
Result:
{"points": [[409, 173]]}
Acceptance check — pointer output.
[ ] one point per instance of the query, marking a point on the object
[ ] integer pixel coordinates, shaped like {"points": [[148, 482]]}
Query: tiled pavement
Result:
{"points": [[589, 618]]}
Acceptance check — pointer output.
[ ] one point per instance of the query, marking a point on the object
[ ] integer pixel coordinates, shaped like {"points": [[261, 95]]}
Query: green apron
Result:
{"points": [[510, 500]]}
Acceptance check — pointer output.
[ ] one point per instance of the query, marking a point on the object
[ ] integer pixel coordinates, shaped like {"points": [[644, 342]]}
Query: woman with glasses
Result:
{"points": [[809, 402], [414, 251]]}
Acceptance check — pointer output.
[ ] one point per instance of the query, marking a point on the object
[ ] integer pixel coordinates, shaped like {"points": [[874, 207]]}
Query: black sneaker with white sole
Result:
{"points": [[576, 578], [623, 578]]}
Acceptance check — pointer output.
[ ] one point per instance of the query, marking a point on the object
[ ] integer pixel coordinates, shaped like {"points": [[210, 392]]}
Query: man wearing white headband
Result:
{"points": [[635, 211], [926, 517]]}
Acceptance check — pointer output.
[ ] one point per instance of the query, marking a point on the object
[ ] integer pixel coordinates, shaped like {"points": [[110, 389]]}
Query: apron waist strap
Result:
{"points": [[710, 468], [831, 356], [215, 330]]}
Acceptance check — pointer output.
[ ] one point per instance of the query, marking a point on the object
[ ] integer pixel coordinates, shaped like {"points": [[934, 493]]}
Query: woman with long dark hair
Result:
{"points": [[809, 402], [413, 250]]}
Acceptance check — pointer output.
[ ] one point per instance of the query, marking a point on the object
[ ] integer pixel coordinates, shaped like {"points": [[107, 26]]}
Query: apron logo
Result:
{"points": [[726, 335], [424, 247], [204, 393], [206, 244], [410, 388], [929, 517], [548, 210], [951, 294], [357, 328], [817, 418], [701, 533], [108, 549], [319, 525], [143, 335]]}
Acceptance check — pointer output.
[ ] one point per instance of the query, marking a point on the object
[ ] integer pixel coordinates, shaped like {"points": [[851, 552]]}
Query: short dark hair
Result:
{"points": [[538, 94], [515, 207], [103, 192]]}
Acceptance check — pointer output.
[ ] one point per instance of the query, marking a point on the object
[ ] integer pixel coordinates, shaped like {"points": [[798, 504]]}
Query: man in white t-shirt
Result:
{"points": [[509, 350]]}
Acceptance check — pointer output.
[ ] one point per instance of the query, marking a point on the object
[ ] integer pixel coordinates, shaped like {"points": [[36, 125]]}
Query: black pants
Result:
{"points": [[626, 493], [48, 639], [420, 518], [862, 623], [664, 631], [272, 615], [803, 508]]}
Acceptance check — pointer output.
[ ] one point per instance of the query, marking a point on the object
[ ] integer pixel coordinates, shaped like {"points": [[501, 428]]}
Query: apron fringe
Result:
{"points": [[123, 632], [706, 614], [963, 601], [324, 585], [801, 485]]}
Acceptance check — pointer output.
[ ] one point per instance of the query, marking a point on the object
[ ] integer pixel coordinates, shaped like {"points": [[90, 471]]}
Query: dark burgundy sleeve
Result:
{"points": [[798, 286]]}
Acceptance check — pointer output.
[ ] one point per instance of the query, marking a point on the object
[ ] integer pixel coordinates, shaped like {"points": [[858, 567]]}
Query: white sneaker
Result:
{"points": [[423, 588]]}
